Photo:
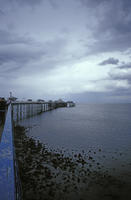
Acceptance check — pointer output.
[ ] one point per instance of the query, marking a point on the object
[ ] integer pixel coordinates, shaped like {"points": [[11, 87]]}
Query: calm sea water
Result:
{"points": [[105, 128]]}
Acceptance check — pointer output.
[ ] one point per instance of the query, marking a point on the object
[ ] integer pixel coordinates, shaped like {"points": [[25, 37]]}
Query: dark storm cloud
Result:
{"points": [[117, 19], [111, 24], [15, 48], [19, 53], [24, 49], [112, 61]]}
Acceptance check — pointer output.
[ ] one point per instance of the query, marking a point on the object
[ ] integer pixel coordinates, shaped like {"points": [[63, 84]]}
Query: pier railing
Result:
{"points": [[7, 173]]}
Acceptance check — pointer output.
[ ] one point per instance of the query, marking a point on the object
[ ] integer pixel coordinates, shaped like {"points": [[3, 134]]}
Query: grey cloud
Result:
{"points": [[118, 18], [113, 44], [19, 53], [92, 3], [112, 61], [112, 24], [116, 22], [119, 43], [120, 73], [15, 48], [31, 3], [24, 2], [1, 13], [22, 49], [121, 76], [125, 66], [53, 3], [8, 37]]}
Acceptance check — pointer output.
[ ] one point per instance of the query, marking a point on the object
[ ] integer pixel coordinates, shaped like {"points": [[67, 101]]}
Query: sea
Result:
{"points": [[101, 130]]}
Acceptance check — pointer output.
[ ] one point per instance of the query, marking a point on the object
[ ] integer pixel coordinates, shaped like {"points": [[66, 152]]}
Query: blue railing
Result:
{"points": [[7, 172]]}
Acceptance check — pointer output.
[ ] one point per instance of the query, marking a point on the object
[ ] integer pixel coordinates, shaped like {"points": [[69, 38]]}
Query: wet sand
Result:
{"points": [[54, 174]]}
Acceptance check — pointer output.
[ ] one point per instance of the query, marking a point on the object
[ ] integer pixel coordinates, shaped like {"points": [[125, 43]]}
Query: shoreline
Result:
{"points": [[49, 174]]}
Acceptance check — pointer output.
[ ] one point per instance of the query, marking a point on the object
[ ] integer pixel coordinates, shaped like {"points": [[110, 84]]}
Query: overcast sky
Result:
{"points": [[71, 49]]}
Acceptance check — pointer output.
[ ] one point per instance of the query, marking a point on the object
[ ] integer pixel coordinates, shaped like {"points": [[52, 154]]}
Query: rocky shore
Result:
{"points": [[48, 174]]}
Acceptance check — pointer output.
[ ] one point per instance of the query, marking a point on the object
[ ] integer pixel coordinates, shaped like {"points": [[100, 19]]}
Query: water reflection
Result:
{"points": [[2, 121]]}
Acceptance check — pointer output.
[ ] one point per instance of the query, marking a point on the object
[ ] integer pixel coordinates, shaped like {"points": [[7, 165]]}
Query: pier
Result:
{"points": [[10, 185]]}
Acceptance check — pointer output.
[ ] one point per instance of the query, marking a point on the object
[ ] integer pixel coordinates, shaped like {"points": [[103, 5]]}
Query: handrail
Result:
{"points": [[7, 175]]}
